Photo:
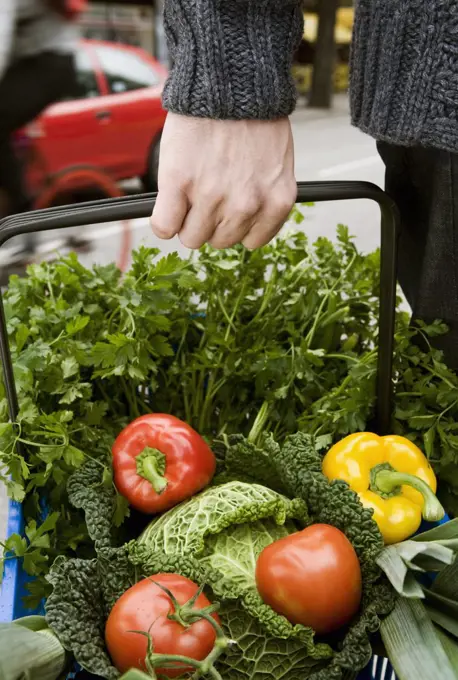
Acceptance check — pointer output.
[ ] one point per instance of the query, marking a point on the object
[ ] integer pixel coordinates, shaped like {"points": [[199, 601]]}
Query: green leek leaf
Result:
{"points": [[451, 647], [413, 645], [35, 623], [445, 621], [444, 604], [446, 583], [401, 561], [444, 532], [27, 654]]}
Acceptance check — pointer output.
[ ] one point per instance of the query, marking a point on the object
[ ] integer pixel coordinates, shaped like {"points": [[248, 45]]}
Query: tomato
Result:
{"points": [[159, 461], [312, 577], [145, 607]]}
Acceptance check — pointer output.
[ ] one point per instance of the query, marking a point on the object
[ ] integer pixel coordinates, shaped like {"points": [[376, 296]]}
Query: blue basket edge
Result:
{"points": [[12, 569]]}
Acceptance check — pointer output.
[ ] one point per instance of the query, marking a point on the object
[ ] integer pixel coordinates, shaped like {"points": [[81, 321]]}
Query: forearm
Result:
{"points": [[232, 58]]}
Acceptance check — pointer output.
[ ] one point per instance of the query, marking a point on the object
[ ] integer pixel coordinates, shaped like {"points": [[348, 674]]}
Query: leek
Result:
{"points": [[451, 647], [29, 650], [403, 561], [413, 645]]}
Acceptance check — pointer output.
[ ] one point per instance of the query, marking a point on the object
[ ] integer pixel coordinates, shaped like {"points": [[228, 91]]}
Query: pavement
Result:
{"points": [[327, 148]]}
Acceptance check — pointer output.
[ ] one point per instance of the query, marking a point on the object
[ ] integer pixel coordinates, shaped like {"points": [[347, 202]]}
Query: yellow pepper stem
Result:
{"points": [[387, 481]]}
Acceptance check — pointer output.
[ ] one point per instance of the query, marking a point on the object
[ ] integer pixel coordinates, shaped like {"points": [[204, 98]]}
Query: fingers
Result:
{"points": [[239, 218], [224, 182], [201, 221], [253, 221], [228, 233], [169, 212], [272, 217]]}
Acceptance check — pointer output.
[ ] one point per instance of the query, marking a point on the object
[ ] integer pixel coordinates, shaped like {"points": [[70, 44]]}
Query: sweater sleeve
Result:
{"points": [[232, 58]]}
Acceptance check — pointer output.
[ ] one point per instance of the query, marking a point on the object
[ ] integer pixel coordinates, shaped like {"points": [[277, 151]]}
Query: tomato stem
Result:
{"points": [[135, 674], [187, 615], [388, 482], [151, 466]]}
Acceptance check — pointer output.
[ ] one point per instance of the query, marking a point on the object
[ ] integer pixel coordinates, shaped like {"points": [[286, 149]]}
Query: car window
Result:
{"points": [[125, 71], [87, 85]]}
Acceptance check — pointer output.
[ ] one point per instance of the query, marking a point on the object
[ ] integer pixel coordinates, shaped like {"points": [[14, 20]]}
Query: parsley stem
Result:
{"points": [[259, 423], [311, 334], [266, 297], [50, 290], [225, 314], [133, 408], [27, 442], [212, 379], [342, 357], [432, 371], [53, 342]]}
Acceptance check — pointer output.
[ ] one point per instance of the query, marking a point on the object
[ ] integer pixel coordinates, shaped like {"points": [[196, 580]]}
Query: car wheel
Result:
{"points": [[149, 180]]}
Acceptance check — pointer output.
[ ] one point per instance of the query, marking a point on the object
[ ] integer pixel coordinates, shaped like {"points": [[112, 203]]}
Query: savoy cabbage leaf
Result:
{"points": [[76, 612], [257, 655], [83, 594], [234, 552], [295, 469], [184, 528], [84, 591], [87, 492], [215, 538]]}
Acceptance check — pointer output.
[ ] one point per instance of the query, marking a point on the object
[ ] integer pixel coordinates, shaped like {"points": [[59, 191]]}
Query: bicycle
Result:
{"points": [[47, 190]]}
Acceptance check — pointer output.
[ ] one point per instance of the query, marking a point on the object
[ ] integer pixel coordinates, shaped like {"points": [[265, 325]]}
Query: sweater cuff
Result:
{"points": [[232, 58]]}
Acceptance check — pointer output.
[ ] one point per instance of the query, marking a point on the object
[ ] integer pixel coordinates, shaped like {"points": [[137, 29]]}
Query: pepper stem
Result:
{"points": [[151, 466], [388, 481]]}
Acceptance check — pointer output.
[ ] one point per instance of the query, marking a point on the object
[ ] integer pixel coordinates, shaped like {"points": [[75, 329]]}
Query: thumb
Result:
{"points": [[169, 212]]}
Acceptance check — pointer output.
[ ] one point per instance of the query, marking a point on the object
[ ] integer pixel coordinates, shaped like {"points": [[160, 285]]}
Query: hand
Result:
{"points": [[224, 182]]}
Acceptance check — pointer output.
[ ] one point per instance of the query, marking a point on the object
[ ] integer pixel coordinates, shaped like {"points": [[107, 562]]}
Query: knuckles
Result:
{"points": [[283, 199], [250, 214], [209, 196], [245, 207]]}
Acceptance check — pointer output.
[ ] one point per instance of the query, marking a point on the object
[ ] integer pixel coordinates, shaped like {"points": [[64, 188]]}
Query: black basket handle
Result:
{"points": [[132, 207]]}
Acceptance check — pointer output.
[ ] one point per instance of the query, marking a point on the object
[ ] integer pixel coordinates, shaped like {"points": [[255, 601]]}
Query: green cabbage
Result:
{"points": [[216, 537], [260, 495]]}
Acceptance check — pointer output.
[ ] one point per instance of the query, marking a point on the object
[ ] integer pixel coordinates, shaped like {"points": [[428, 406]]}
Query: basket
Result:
{"points": [[126, 208]]}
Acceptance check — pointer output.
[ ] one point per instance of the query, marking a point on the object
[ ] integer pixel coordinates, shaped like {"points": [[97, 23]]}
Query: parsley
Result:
{"points": [[290, 329]]}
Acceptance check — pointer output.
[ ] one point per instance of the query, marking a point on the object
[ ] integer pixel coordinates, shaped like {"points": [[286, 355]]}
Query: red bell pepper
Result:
{"points": [[159, 461]]}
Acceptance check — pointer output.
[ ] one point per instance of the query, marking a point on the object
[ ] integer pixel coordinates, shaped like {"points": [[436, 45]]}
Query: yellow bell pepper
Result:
{"points": [[391, 476]]}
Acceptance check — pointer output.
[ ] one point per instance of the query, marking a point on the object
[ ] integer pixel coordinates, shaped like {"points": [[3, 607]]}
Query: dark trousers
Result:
{"points": [[424, 184], [26, 89]]}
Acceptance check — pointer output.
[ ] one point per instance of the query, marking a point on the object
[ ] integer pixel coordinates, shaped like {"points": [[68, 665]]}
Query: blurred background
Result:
{"points": [[104, 140]]}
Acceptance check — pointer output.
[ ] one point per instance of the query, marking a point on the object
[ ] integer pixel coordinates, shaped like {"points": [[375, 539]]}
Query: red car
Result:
{"points": [[114, 125]]}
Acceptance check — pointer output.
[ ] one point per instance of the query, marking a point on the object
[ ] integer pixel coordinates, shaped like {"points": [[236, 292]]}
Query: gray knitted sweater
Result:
{"points": [[232, 60]]}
